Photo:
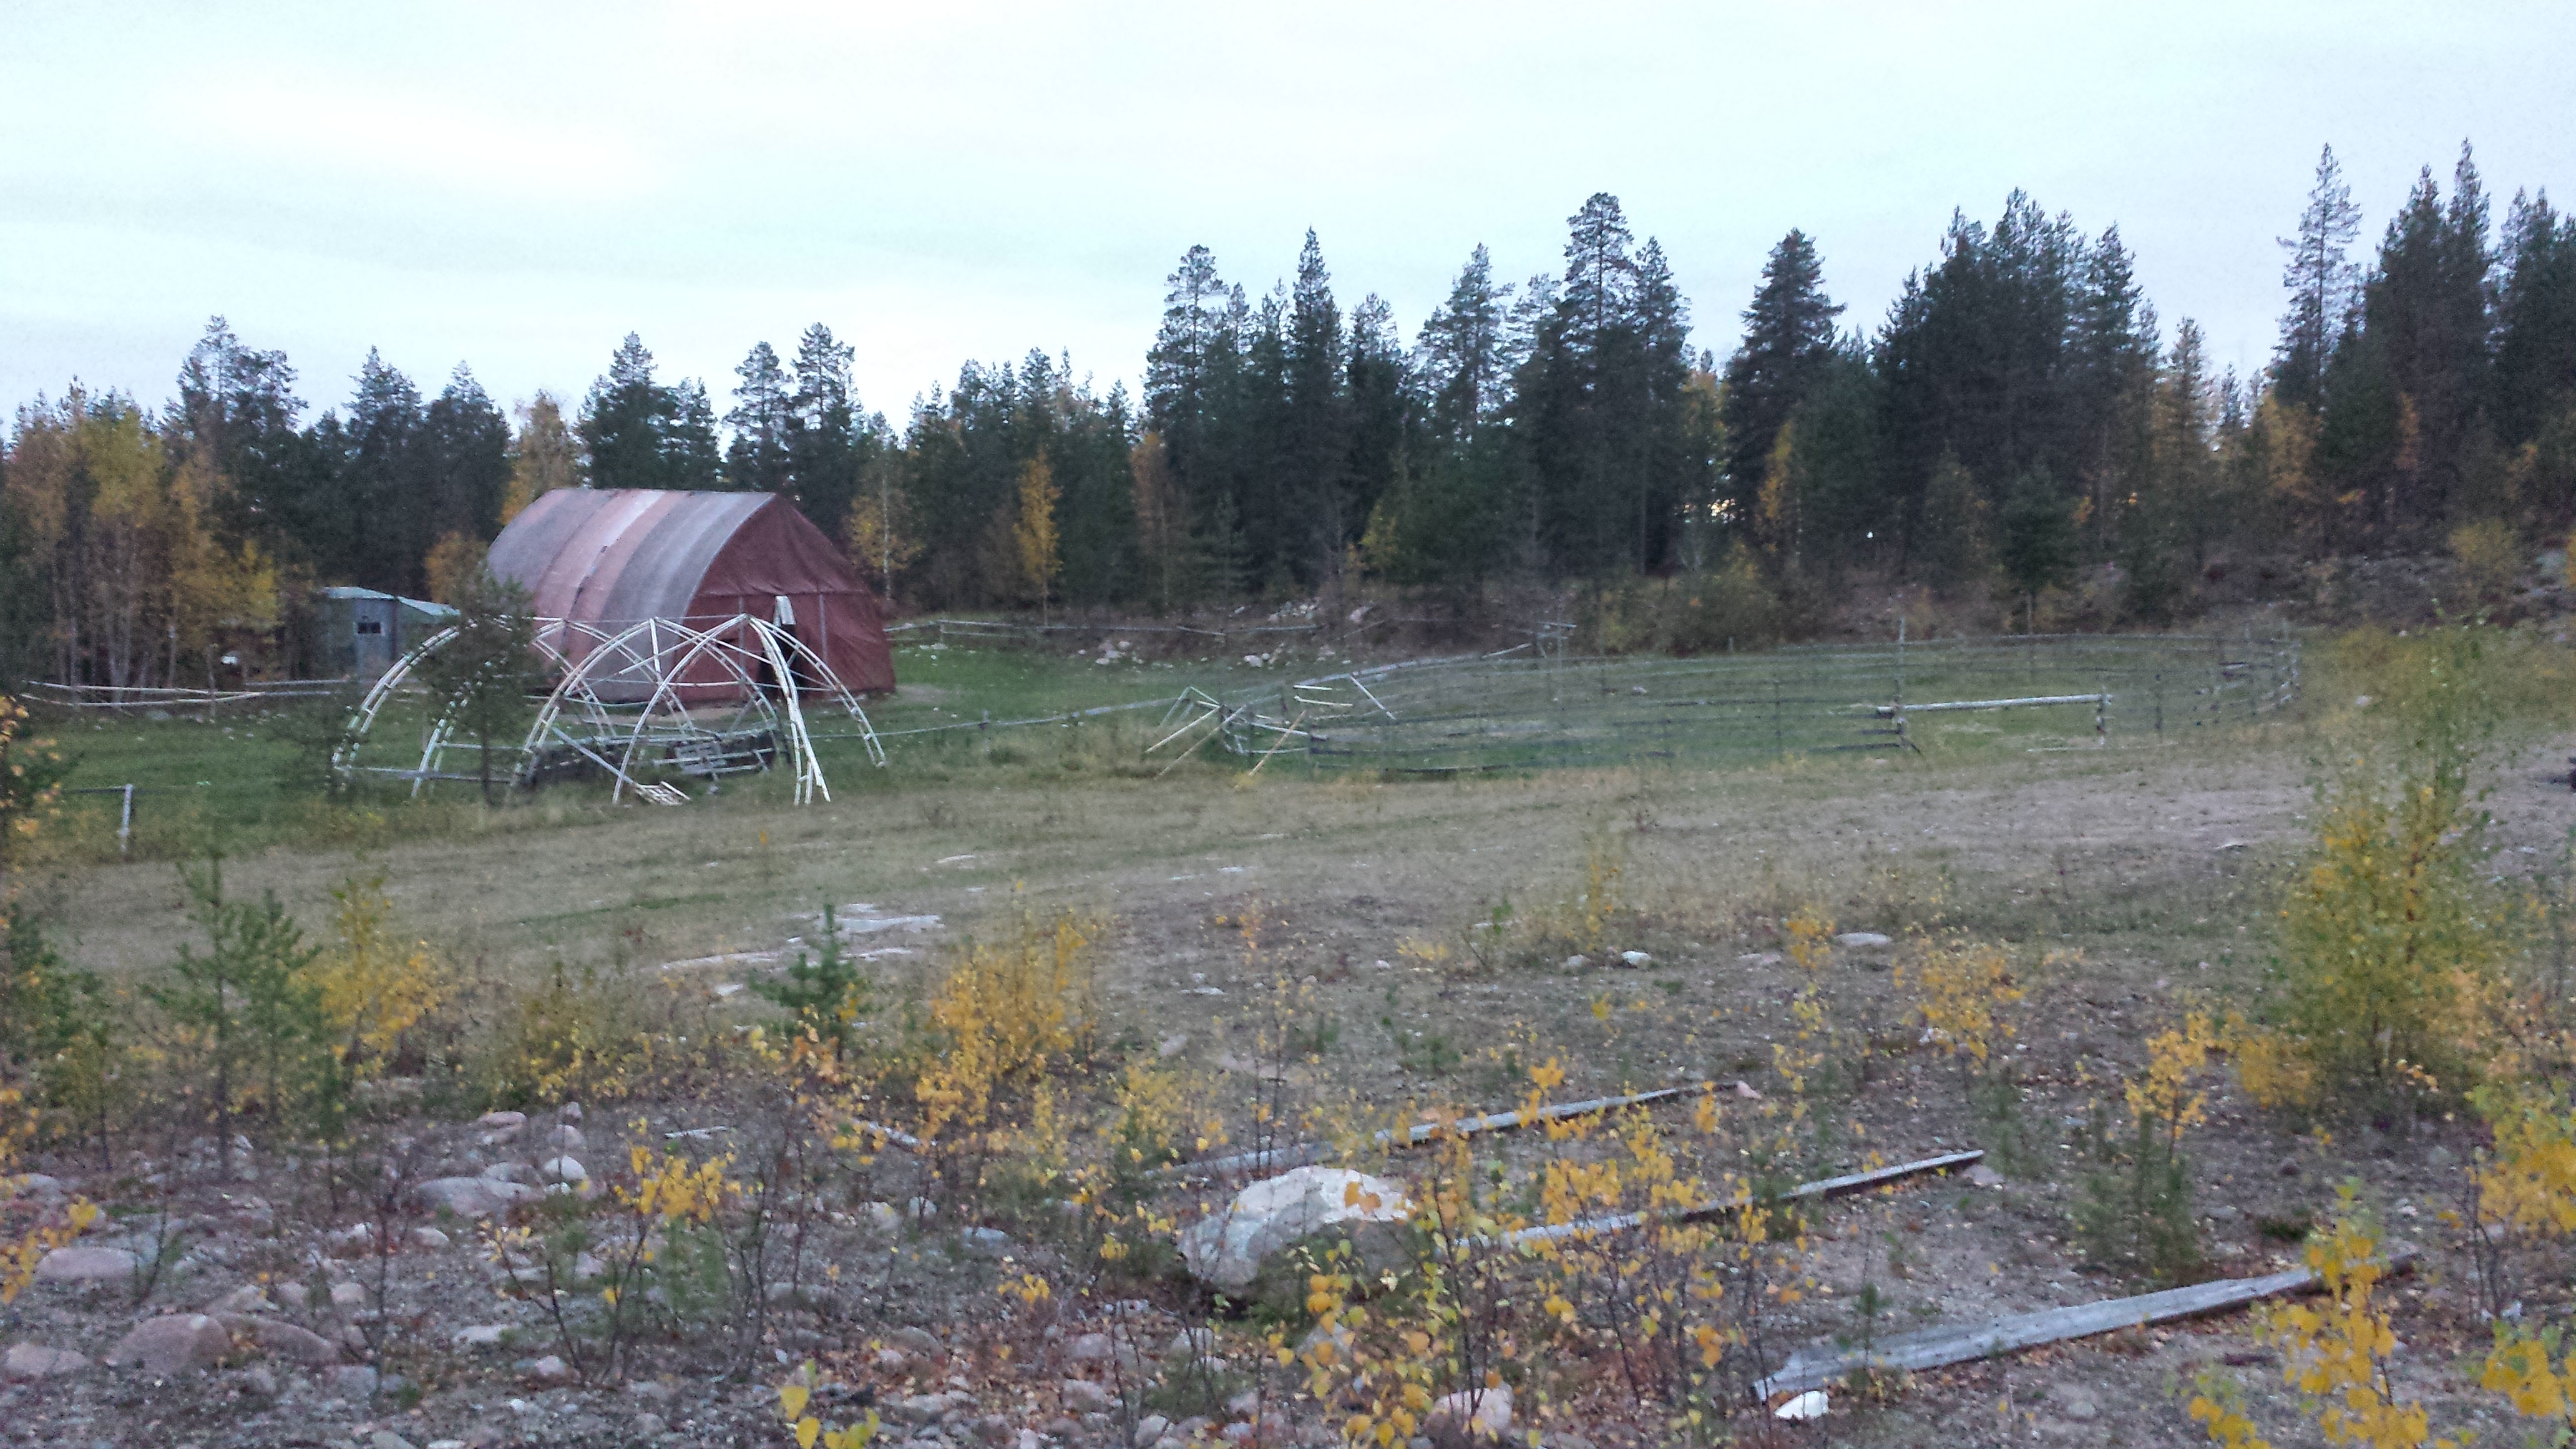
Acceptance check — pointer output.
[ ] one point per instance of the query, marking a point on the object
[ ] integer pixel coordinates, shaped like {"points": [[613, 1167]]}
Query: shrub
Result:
{"points": [[2391, 942], [2136, 1211], [2489, 556], [246, 1015], [825, 996]]}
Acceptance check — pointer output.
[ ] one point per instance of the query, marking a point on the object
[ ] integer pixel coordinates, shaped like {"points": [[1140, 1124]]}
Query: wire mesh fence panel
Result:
{"points": [[1525, 712]]}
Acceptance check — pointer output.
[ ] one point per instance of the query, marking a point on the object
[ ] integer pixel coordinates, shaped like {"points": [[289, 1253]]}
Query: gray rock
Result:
{"points": [[648, 1426], [914, 1340], [348, 1295], [285, 1340], [1150, 1429], [650, 1391], [87, 1265], [1474, 1416], [473, 1197], [172, 1345], [2075, 1401], [564, 1139], [1228, 1248], [482, 1335], [358, 1240], [249, 1298], [34, 1361], [430, 1238], [563, 1169], [1091, 1348], [387, 1439], [1084, 1396], [984, 1240], [293, 1295], [1862, 940], [547, 1370], [355, 1382], [41, 1188], [260, 1381], [498, 1120]]}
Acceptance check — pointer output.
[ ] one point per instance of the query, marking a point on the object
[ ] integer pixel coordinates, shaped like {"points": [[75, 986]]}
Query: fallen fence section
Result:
{"points": [[1302, 1153], [1831, 1187], [1816, 1367]]}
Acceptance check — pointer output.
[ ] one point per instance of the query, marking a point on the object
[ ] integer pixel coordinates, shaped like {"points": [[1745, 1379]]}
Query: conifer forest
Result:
{"points": [[2022, 414]]}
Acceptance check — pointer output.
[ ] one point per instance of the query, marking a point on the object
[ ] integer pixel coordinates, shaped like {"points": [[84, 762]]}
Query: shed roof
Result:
{"points": [[619, 555]]}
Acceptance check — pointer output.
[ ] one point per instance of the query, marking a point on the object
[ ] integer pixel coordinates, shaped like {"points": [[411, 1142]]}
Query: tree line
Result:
{"points": [[2020, 414]]}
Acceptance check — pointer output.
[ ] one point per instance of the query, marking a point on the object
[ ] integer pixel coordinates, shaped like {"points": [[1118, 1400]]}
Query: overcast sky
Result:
{"points": [[517, 186]]}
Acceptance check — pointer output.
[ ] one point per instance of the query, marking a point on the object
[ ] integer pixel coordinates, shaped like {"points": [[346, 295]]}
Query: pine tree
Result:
{"points": [[1788, 339], [2322, 284], [756, 459], [481, 679], [1462, 353]]}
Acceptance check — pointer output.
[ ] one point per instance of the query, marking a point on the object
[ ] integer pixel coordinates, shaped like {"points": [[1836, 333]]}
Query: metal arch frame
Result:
{"points": [[584, 656]]}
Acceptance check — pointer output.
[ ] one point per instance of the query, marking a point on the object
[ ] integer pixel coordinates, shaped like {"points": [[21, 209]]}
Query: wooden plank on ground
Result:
{"points": [[1279, 1159], [1831, 1187], [1822, 1364]]}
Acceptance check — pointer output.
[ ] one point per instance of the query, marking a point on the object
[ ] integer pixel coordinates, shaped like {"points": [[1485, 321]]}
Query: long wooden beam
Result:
{"points": [[1822, 1364]]}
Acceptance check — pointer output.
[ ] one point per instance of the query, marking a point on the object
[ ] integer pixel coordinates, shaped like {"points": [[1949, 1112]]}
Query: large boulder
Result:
{"points": [[87, 1265], [1229, 1247], [473, 1197], [172, 1345]]}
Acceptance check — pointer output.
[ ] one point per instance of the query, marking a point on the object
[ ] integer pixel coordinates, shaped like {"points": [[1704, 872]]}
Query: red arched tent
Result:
{"points": [[614, 557]]}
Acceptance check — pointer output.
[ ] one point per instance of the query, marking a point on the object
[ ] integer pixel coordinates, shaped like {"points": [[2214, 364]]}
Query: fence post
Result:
{"points": [[2160, 704], [125, 823]]}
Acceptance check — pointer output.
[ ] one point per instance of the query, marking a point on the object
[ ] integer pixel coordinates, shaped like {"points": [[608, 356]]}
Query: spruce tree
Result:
{"points": [[2535, 366], [1788, 340], [756, 458], [465, 445], [623, 421], [383, 484], [833, 448], [1316, 432], [691, 457]]}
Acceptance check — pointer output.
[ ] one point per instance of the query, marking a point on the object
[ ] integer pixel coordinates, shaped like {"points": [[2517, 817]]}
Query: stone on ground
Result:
{"points": [[86, 1265], [1472, 1416], [473, 1197], [172, 1345], [35, 1361], [1227, 1248]]}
